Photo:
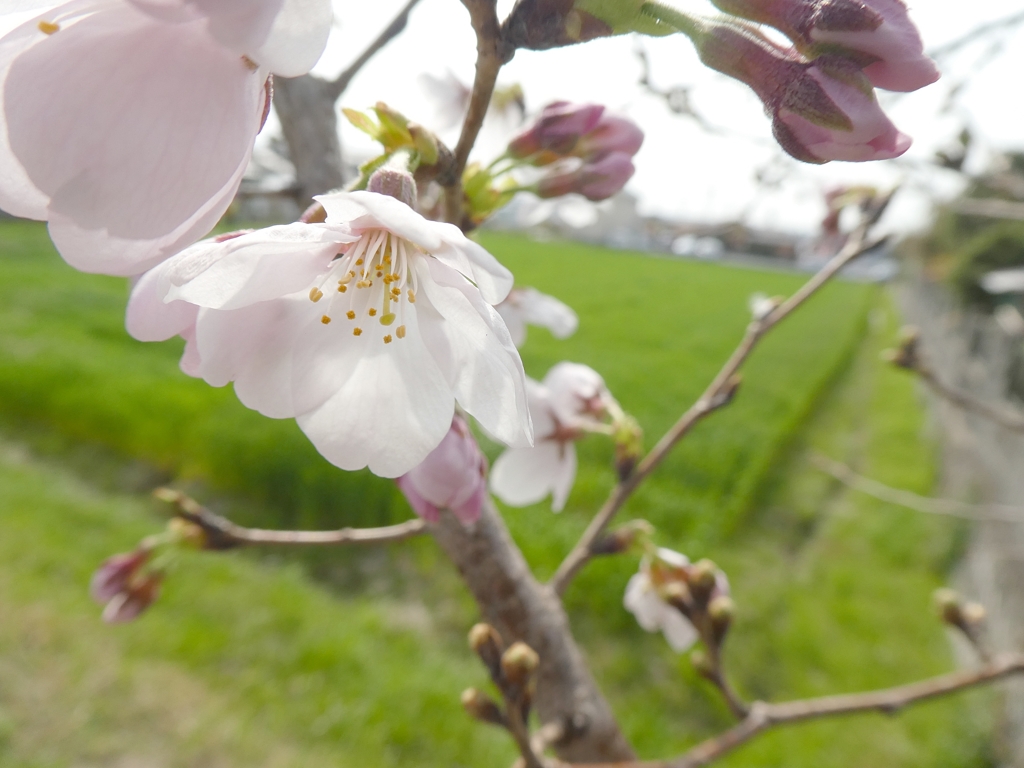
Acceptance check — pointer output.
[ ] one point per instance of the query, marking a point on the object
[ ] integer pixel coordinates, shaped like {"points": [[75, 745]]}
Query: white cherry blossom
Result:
{"points": [[366, 328], [652, 612], [127, 124], [564, 407], [528, 306]]}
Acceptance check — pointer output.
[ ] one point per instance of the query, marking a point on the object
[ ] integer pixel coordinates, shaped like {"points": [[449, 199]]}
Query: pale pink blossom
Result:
{"points": [[127, 124], [366, 328], [653, 613], [528, 306], [877, 34], [564, 407], [453, 476]]}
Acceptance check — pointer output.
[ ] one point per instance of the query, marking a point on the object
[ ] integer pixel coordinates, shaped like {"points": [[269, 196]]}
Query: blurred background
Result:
{"points": [[348, 657]]}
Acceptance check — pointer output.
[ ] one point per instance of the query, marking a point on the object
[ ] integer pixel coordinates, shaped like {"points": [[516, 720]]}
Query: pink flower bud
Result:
{"points": [[451, 477], [877, 34], [124, 586], [611, 134], [114, 575], [821, 110], [556, 131], [128, 606], [595, 181]]}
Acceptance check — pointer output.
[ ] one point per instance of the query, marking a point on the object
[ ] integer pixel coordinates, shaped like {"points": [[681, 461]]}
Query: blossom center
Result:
{"points": [[370, 283]]}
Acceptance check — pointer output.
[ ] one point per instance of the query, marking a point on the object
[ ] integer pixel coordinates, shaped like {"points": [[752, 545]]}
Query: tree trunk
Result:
{"points": [[521, 608], [309, 122]]}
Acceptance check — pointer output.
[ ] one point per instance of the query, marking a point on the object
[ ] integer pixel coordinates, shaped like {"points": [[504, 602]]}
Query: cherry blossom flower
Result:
{"points": [[528, 306], [564, 407], [453, 476], [127, 124], [878, 34], [653, 613], [366, 328]]}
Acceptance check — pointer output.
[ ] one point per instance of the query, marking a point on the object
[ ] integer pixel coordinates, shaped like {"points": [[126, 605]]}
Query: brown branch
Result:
{"points": [[904, 498], [221, 533], [717, 395], [338, 85], [492, 52], [967, 401], [764, 717]]}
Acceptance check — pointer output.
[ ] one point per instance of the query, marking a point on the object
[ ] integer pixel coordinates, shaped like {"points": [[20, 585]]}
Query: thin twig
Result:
{"points": [[910, 500], [339, 84], [492, 52], [221, 533], [764, 717], [967, 401], [718, 394]]}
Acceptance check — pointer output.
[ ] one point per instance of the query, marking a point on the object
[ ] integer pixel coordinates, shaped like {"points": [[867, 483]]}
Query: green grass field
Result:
{"points": [[358, 659]]}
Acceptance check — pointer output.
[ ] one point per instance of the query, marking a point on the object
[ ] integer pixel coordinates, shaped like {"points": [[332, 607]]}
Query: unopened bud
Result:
{"points": [[486, 643], [482, 707], [721, 610], [596, 180], [188, 533], [947, 602], [907, 354], [314, 214], [702, 664], [395, 183], [622, 539], [519, 663], [629, 445], [703, 575], [728, 391]]}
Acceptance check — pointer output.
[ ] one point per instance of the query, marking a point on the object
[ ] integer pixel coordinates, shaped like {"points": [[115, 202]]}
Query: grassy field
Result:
{"points": [[250, 660]]}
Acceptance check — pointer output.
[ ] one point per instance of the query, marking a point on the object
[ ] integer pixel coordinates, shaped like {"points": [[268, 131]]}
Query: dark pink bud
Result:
{"points": [[611, 134], [595, 181], [128, 605], [821, 110], [556, 131], [877, 34], [453, 476], [115, 574]]}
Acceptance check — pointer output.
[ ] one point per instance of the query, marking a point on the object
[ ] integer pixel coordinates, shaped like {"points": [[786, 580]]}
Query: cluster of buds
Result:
{"points": [[589, 151], [127, 584], [453, 476], [513, 670]]}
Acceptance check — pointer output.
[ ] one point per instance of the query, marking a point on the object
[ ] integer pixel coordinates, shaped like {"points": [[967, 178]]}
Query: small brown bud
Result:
{"points": [[703, 575], [482, 707], [721, 611], [728, 391], [621, 539], [947, 602], [519, 663], [486, 643], [907, 354], [314, 214]]}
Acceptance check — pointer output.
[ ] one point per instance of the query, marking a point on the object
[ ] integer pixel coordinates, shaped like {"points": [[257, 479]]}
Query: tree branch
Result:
{"points": [[764, 717], [338, 85], [223, 534], [718, 394], [492, 52], [967, 401], [904, 498]]}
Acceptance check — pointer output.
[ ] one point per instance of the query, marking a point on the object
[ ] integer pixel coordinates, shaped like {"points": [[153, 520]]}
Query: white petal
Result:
{"points": [[641, 600], [369, 210], [678, 630], [392, 411], [474, 351], [565, 477], [259, 266], [473, 261], [298, 37], [549, 312], [137, 144], [515, 321], [148, 317], [673, 558], [524, 476], [190, 362]]}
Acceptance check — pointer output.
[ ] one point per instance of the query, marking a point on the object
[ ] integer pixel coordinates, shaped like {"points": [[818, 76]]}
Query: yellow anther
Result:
{"points": [[252, 65], [358, 262], [412, 297], [379, 273], [387, 279], [325, 319], [48, 27], [396, 292], [357, 331], [400, 331], [342, 288], [372, 311], [350, 315], [387, 319], [315, 294], [387, 339], [363, 284]]}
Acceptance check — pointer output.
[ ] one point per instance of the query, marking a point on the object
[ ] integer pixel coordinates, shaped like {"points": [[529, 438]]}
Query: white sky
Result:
{"points": [[682, 172]]}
